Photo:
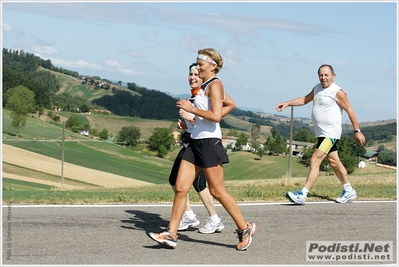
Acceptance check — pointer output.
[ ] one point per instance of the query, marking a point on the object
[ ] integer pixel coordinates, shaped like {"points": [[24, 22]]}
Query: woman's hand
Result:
{"points": [[184, 104], [181, 124], [187, 115]]}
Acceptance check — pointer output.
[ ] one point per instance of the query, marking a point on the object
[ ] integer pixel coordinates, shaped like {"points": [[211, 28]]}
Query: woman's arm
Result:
{"points": [[215, 93], [228, 105]]}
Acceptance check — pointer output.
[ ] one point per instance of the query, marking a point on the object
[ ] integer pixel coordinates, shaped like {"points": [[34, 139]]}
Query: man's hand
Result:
{"points": [[360, 139]]}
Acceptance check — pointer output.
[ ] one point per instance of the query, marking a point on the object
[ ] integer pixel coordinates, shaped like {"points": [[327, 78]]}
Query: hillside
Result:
{"points": [[71, 85]]}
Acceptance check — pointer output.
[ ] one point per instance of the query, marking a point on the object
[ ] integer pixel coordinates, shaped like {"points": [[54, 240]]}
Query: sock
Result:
{"points": [[190, 214], [305, 191], [348, 187], [214, 218]]}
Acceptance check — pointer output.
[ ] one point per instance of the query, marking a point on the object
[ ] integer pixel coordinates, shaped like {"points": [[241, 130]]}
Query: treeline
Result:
{"points": [[252, 117], [150, 105], [27, 63], [381, 133]]}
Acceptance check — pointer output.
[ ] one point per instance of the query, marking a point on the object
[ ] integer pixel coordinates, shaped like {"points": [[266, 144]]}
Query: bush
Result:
{"points": [[387, 157]]}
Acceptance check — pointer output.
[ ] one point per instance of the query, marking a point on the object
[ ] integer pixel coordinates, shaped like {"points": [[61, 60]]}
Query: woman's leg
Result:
{"points": [[203, 192], [215, 178], [185, 178], [207, 199]]}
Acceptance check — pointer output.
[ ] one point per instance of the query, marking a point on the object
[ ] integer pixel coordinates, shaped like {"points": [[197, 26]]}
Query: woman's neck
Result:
{"points": [[208, 78]]}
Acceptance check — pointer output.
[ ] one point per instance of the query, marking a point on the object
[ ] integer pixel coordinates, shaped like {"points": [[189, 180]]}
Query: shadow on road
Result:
{"points": [[151, 222]]}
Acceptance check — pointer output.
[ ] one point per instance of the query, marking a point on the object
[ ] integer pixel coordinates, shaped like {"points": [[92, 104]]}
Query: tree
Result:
{"points": [[103, 134], [381, 148], [160, 140], [84, 108], [241, 140], [276, 143], [232, 132], [349, 151], [387, 157], [20, 101], [260, 151], [255, 132], [304, 135], [129, 135], [73, 123]]}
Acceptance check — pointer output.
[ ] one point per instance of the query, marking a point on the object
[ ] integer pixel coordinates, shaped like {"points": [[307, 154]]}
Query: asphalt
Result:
{"points": [[117, 234]]}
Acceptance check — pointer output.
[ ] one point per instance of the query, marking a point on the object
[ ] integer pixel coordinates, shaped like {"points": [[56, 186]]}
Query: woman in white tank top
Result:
{"points": [[205, 151]]}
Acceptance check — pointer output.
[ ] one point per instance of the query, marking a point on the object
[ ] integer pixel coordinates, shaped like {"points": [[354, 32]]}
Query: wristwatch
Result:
{"points": [[357, 131]]}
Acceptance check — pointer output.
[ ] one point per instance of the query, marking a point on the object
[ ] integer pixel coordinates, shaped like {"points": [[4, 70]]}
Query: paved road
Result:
{"points": [[116, 235]]}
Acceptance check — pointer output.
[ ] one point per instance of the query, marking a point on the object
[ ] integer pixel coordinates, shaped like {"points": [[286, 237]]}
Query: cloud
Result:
{"points": [[130, 72], [193, 41], [112, 63], [7, 27], [143, 14], [81, 64], [44, 49], [135, 53], [241, 24], [229, 58]]}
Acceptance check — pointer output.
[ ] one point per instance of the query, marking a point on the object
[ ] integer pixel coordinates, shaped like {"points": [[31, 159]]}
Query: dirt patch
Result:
{"points": [[34, 161]]}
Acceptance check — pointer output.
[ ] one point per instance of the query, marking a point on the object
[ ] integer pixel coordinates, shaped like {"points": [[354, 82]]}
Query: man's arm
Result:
{"points": [[343, 102], [300, 101]]}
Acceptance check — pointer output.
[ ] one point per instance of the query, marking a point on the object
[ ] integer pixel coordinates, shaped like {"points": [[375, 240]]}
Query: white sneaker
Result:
{"points": [[186, 222], [210, 228], [346, 196], [297, 197]]}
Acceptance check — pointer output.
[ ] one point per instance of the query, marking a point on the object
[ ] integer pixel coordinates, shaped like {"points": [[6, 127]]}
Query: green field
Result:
{"points": [[72, 86], [247, 177]]}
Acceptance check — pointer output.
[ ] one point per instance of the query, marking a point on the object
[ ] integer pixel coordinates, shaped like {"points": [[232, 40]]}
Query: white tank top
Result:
{"points": [[205, 128], [326, 113]]}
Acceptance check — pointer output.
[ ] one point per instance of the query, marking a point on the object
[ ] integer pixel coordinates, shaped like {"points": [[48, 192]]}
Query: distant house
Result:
{"points": [[229, 141], [102, 83], [84, 132], [246, 147], [298, 147], [371, 155], [85, 80]]}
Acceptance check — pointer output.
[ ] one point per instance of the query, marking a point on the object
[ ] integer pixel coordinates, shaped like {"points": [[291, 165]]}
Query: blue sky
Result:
{"points": [[271, 50]]}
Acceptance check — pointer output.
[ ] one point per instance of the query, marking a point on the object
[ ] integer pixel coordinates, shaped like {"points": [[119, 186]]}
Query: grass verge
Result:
{"points": [[368, 187]]}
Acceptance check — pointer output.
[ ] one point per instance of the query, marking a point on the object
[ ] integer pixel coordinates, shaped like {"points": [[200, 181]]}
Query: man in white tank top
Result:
{"points": [[328, 102]]}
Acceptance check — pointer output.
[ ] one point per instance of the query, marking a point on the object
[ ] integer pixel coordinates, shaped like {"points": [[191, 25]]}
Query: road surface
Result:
{"points": [[117, 234]]}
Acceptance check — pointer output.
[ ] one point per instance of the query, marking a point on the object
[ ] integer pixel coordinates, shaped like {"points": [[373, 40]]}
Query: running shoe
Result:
{"points": [[245, 236], [165, 238], [297, 197], [346, 196], [186, 222], [210, 227]]}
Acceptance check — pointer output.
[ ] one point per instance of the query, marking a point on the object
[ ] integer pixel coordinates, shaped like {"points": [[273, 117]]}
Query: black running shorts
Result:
{"points": [[199, 182], [206, 153], [327, 145]]}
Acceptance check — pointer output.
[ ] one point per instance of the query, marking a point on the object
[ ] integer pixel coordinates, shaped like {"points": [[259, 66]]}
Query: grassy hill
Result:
{"points": [[85, 150], [72, 86]]}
